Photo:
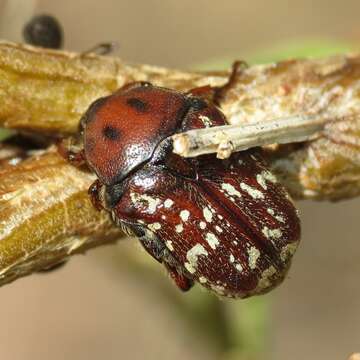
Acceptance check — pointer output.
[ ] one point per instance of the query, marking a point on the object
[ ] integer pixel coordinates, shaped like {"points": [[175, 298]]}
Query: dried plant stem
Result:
{"points": [[46, 215], [45, 212], [224, 140]]}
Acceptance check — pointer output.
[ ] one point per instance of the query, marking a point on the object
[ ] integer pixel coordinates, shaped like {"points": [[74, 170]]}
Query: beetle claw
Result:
{"points": [[217, 94], [74, 154], [180, 280], [94, 192], [220, 92]]}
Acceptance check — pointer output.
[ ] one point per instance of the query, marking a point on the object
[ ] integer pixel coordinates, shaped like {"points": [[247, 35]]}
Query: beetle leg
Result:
{"points": [[71, 152], [218, 93], [94, 191], [101, 49], [149, 241], [158, 251], [180, 280]]}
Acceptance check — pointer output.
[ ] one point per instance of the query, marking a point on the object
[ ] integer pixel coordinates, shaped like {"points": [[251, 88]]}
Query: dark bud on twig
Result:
{"points": [[44, 31]]}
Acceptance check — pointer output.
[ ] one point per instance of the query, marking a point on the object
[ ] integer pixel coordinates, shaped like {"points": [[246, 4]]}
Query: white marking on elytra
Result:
{"points": [[184, 214], [205, 120], [179, 228], [220, 217], [231, 191], [239, 267], [235, 242], [151, 202], [207, 214], [269, 176], [189, 268], [168, 203], [203, 279], [212, 240], [218, 229], [163, 217], [277, 217], [254, 193], [265, 279], [288, 250], [280, 218], [271, 233], [192, 257], [231, 258], [154, 226], [253, 254], [218, 289], [261, 181], [202, 225], [265, 176], [169, 245]]}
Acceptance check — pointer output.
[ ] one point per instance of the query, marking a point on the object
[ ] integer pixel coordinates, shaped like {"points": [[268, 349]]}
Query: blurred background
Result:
{"points": [[115, 302]]}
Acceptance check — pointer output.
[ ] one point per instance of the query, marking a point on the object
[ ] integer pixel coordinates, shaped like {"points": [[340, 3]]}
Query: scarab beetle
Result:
{"points": [[226, 224]]}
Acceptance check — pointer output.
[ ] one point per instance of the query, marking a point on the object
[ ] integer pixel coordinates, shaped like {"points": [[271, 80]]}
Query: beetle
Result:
{"points": [[226, 224]]}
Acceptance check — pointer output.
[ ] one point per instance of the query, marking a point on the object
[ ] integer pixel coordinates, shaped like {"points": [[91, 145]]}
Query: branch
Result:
{"points": [[46, 215], [45, 212]]}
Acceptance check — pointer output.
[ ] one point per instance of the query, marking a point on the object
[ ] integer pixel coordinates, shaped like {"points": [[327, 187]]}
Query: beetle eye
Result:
{"points": [[197, 103]]}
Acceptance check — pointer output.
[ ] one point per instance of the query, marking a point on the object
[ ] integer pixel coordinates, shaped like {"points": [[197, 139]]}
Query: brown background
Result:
{"points": [[94, 308]]}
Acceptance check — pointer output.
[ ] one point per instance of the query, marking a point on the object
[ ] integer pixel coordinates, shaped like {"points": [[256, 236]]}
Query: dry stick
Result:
{"points": [[46, 215], [224, 140]]}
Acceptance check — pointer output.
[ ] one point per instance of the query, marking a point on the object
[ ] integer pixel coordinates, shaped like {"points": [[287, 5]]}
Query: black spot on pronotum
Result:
{"points": [[138, 104], [111, 133]]}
